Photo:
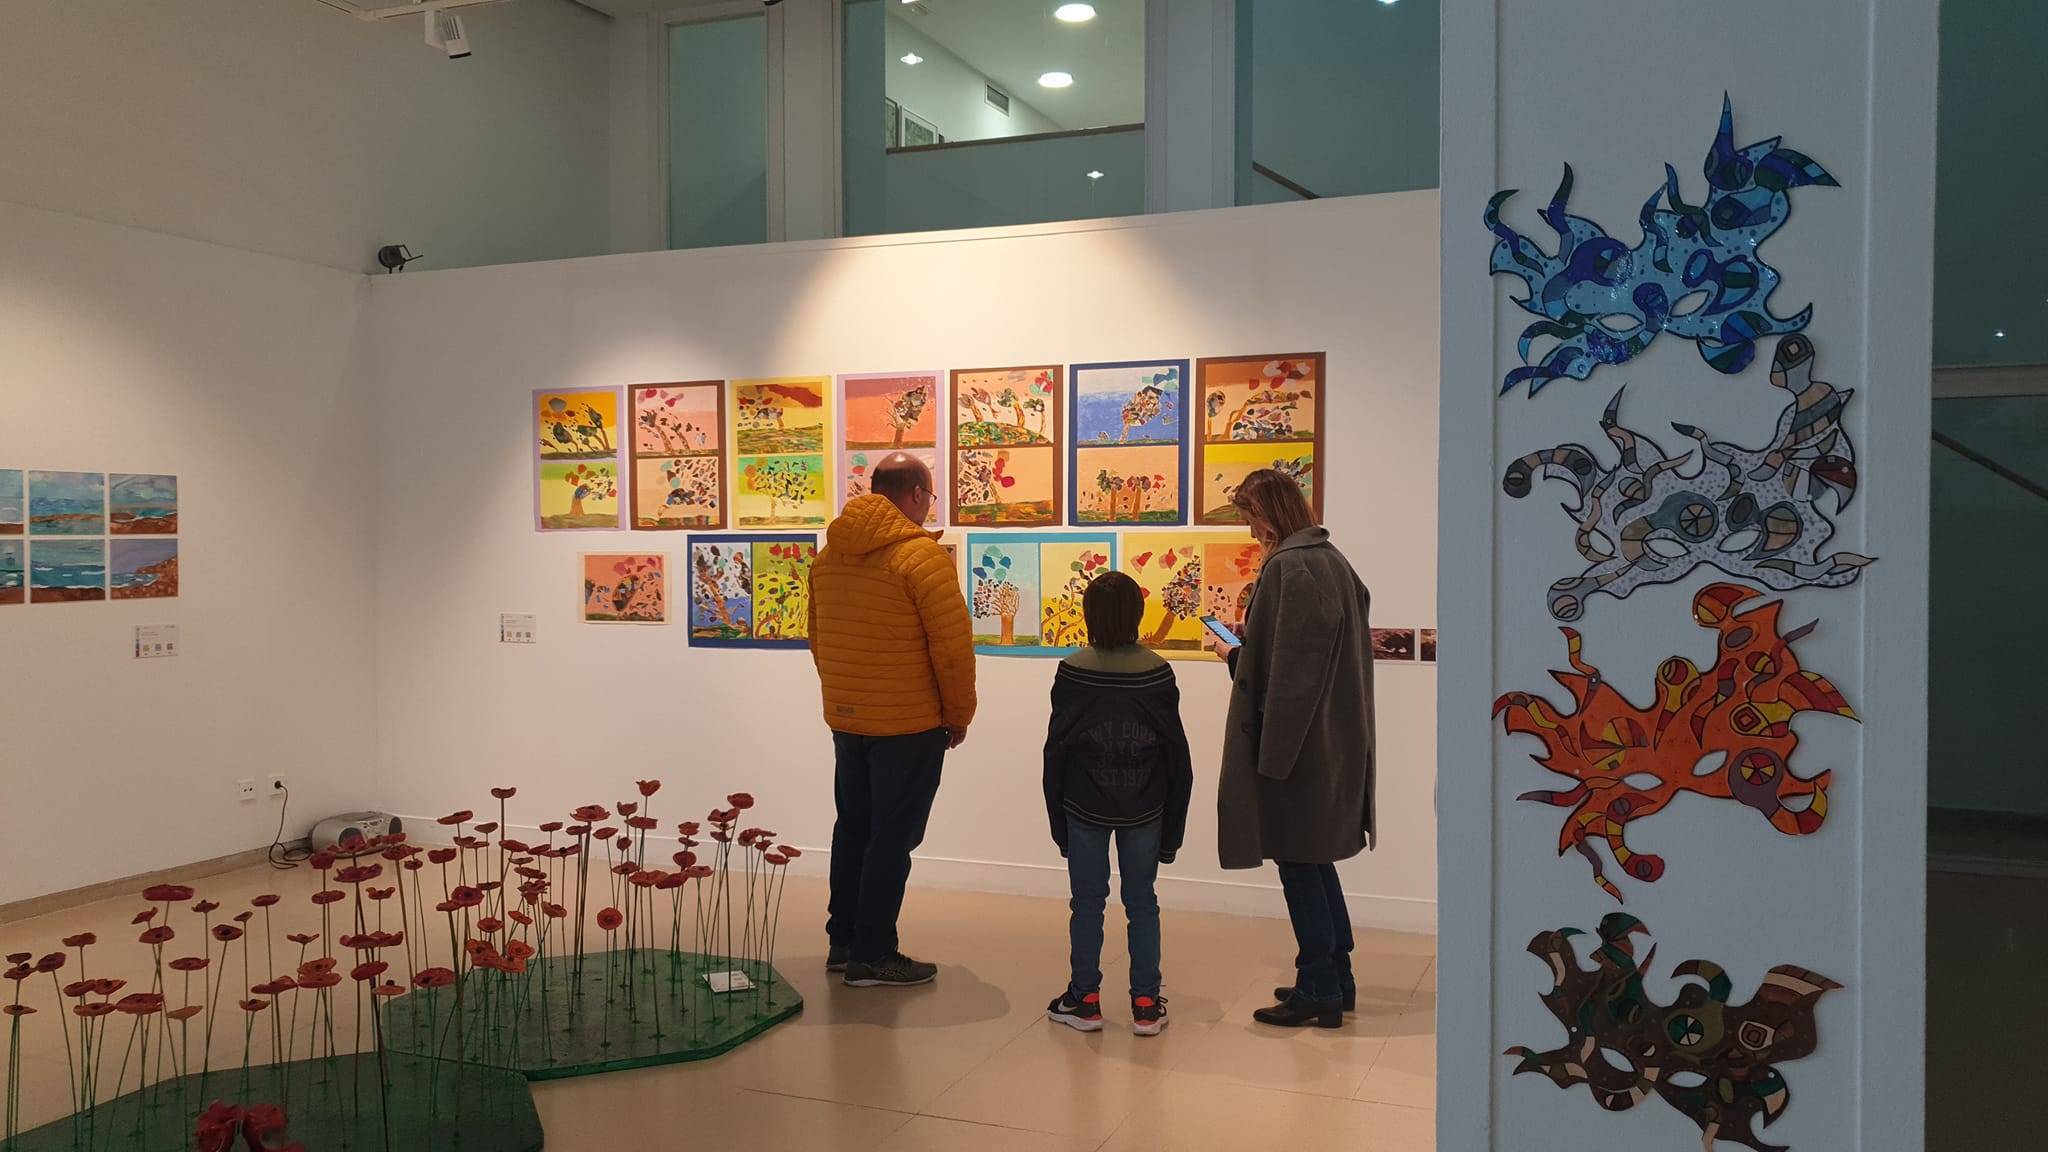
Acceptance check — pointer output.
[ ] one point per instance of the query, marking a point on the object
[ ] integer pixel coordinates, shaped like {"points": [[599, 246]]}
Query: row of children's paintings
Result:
{"points": [[1105, 444], [1023, 590], [89, 536]]}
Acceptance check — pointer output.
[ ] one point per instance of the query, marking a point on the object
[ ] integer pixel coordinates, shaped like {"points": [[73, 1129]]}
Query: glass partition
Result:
{"points": [[988, 112], [718, 132], [1335, 98]]}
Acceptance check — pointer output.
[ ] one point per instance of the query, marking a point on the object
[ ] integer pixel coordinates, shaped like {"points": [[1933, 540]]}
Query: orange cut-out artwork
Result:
{"points": [[1723, 732]]}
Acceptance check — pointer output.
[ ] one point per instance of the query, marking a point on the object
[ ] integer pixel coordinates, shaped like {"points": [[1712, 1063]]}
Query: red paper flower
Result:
{"points": [[643, 823], [318, 964], [140, 1003], [226, 932], [775, 858], [610, 918], [627, 809], [462, 817], [688, 828], [18, 1010], [514, 846], [504, 793], [489, 924], [186, 1012], [263, 1120], [83, 939], [264, 901], [740, 800], [519, 917], [144, 916], [605, 833], [790, 852], [369, 970], [387, 990], [273, 987], [414, 865], [77, 988], [161, 934], [218, 1127], [302, 938], [244, 917], [433, 978], [380, 893], [255, 1005], [554, 911], [551, 827], [684, 858], [23, 957], [92, 1011], [51, 962], [700, 872], [167, 893], [19, 972], [465, 897], [205, 906], [358, 873], [329, 896], [320, 980], [321, 861], [648, 787], [441, 855]]}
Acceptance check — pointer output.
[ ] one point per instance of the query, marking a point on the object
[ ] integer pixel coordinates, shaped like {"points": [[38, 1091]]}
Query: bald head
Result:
{"points": [[904, 481]]}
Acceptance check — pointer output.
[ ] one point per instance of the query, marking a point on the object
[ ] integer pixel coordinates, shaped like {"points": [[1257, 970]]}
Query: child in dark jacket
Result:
{"points": [[1116, 767]]}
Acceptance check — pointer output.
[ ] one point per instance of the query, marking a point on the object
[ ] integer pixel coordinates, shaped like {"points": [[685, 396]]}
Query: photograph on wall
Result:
{"points": [[143, 569], [1256, 412], [678, 455], [13, 505], [1425, 644], [780, 436], [1024, 589], [67, 571], [1394, 644], [887, 412], [67, 503], [750, 591], [625, 588], [1185, 576], [140, 505], [579, 459], [1006, 447], [13, 572], [1130, 443], [579, 495]]}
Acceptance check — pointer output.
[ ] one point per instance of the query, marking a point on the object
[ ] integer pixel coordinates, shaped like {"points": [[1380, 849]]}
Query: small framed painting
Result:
{"points": [[1256, 412], [1006, 447], [1130, 443], [751, 591], [625, 588]]}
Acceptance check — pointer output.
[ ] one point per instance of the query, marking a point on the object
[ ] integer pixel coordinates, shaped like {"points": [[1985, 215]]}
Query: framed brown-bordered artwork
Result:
{"points": [[1007, 430], [1256, 412], [678, 473]]}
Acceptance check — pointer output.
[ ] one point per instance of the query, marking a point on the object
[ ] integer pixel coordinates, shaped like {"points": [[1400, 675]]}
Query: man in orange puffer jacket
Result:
{"points": [[894, 648]]}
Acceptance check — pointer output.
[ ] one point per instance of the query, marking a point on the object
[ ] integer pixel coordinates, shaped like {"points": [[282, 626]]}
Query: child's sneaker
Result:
{"points": [[1148, 1015], [1083, 1015]]}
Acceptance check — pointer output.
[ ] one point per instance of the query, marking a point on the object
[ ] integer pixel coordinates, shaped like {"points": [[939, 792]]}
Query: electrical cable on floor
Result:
{"points": [[280, 856]]}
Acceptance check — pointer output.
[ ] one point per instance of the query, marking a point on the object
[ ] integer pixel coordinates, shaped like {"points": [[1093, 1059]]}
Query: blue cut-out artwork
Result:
{"points": [[1757, 514], [1696, 273]]}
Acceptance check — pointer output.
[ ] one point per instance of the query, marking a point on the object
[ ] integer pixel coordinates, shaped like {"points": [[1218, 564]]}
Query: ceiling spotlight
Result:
{"points": [[912, 58], [1056, 80], [1388, 3], [1074, 13], [1095, 174], [1998, 335]]}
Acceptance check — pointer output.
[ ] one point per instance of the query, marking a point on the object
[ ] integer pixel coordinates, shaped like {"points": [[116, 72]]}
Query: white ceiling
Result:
{"points": [[1014, 41]]}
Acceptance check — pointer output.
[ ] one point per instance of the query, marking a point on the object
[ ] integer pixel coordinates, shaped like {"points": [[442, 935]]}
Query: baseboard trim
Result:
{"points": [[128, 885], [1010, 878]]}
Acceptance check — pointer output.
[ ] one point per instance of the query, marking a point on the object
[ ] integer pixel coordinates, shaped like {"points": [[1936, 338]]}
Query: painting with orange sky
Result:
{"points": [[885, 412], [679, 456]]}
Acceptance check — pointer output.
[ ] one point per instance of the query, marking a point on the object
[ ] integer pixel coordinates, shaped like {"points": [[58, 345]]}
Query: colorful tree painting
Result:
{"points": [[721, 590], [779, 491], [577, 425], [624, 588], [579, 496], [782, 589], [1224, 467], [1173, 571], [1229, 573], [1256, 400], [996, 594], [679, 456], [1004, 406], [1129, 443], [786, 415], [1006, 432], [889, 412], [1061, 623]]}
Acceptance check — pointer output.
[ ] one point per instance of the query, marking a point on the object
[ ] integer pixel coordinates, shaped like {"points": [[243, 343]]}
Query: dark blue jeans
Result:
{"points": [[1137, 856], [1322, 929], [884, 786]]}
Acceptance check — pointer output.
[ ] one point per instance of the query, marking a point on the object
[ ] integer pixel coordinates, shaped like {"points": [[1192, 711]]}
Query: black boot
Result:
{"points": [[1299, 1012], [1283, 994]]}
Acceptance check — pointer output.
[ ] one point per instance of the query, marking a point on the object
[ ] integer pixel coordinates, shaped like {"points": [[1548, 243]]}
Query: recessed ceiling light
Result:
{"points": [[1388, 3], [912, 58], [1095, 174], [1056, 80], [1998, 335], [1074, 13]]}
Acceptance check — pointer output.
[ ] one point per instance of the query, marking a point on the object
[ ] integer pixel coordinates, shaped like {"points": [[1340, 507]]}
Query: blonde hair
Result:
{"points": [[1272, 499]]}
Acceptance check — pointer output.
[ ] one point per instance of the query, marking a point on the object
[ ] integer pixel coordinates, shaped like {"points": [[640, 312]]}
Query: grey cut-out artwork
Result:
{"points": [[1761, 514]]}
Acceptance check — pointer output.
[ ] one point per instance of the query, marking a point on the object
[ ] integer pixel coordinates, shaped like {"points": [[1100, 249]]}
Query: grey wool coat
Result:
{"points": [[1297, 777]]}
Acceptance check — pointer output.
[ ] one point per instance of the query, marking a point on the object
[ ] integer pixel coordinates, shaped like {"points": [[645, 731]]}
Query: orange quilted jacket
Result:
{"points": [[889, 630]]}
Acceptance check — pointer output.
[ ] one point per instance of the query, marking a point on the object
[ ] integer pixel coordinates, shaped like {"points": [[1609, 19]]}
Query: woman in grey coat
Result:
{"points": [[1296, 785]]}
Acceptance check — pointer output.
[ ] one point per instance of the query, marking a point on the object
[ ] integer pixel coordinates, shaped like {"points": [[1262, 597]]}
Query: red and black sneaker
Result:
{"points": [[1084, 1014], [1148, 1015]]}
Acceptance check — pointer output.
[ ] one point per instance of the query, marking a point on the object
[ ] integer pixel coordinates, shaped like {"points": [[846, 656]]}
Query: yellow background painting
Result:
{"points": [[577, 425], [1169, 567]]}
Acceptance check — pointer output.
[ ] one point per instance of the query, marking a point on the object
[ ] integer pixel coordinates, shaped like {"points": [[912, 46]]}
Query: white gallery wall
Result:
{"points": [[1849, 83], [291, 128], [133, 351], [451, 360]]}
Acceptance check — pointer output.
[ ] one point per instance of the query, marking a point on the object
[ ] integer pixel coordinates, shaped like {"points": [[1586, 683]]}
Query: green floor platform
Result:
{"points": [[626, 1010]]}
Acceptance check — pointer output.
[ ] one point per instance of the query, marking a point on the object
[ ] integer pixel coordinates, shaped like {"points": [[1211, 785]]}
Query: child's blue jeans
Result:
{"points": [[1137, 854]]}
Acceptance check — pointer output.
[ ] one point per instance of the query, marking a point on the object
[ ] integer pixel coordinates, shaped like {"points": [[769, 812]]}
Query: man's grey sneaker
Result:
{"points": [[893, 971]]}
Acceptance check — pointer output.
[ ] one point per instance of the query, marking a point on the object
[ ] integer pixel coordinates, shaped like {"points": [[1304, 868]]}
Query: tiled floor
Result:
{"points": [[967, 1063]]}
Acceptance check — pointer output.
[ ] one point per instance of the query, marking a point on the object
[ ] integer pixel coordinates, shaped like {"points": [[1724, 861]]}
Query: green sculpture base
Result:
{"points": [[330, 1105], [625, 1010]]}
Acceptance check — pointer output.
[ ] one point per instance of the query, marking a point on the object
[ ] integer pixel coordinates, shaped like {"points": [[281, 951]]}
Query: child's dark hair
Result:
{"points": [[1112, 606]]}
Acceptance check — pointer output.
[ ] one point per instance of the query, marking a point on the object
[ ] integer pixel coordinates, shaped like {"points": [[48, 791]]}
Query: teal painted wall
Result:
{"points": [[718, 133]]}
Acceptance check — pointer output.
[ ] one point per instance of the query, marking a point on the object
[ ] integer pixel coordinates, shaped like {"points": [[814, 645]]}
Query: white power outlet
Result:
{"points": [[245, 791], [276, 791]]}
